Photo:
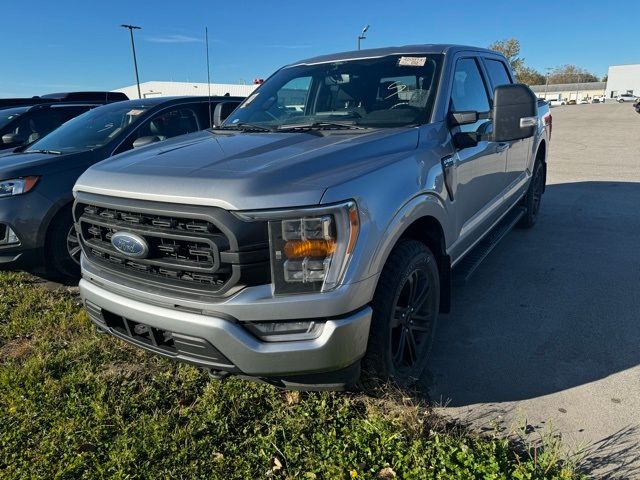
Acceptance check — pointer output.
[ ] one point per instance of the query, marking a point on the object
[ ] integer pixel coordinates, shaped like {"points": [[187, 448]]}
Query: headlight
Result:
{"points": [[310, 248], [17, 186]]}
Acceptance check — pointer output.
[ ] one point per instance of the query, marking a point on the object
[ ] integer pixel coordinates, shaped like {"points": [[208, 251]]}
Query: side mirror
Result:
{"points": [[12, 139], [144, 141], [515, 113], [222, 111]]}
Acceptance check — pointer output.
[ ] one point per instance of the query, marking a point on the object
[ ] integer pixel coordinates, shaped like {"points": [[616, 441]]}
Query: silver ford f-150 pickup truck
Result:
{"points": [[313, 233]]}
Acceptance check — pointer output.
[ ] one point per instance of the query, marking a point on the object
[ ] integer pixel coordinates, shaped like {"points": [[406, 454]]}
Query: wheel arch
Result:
{"points": [[422, 220], [541, 154], [54, 211]]}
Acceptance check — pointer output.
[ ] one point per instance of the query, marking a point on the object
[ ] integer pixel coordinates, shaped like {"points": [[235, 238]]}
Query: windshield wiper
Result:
{"points": [[320, 125], [52, 152], [246, 127]]}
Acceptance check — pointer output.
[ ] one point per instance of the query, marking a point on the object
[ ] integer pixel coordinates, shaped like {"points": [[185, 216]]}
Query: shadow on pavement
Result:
{"points": [[551, 308], [617, 455]]}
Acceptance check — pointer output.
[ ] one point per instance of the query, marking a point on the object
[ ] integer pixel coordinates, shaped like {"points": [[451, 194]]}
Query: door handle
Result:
{"points": [[502, 147]]}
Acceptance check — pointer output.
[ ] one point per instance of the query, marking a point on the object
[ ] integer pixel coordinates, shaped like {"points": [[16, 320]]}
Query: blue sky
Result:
{"points": [[78, 45]]}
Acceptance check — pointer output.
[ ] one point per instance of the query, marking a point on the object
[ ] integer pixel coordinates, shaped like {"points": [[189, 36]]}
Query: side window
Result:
{"points": [[497, 72], [164, 125], [469, 92]]}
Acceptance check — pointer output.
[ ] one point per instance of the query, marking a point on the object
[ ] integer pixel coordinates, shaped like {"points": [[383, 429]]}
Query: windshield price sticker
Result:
{"points": [[412, 61], [135, 112]]}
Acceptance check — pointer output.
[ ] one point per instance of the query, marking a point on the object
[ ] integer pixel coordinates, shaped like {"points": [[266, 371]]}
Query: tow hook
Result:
{"points": [[219, 375]]}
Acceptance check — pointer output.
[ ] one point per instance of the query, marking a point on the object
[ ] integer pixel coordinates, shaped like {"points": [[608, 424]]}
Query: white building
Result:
{"points": [[170, 89], [623, 79], [570, 91]]}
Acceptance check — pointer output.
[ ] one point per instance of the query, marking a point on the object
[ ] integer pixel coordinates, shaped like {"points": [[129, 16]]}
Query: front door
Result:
{"points": [[480, 170]]}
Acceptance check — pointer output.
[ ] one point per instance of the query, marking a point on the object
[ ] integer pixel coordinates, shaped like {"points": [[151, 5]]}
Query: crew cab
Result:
{"points": [[310, 238]]}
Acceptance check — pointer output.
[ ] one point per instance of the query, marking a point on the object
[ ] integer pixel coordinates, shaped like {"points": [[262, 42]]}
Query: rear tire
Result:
{"points": [[532, 199], [62, 248], [405, 313]]}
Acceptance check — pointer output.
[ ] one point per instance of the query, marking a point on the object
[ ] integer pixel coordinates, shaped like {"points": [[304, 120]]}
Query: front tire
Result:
{"points": [[405, 313], [63, 248]]}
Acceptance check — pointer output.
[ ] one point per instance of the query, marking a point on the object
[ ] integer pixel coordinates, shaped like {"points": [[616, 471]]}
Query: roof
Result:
{"points": [[153, 101], [567, 87], [383, 52], [154, 88]]}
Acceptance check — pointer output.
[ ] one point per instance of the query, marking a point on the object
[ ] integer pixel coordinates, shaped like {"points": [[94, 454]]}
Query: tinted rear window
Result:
{"points": [[497, 72]]}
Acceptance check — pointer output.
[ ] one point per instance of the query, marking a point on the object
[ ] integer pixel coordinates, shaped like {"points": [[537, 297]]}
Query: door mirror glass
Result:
{"points": [[515, 113], [462, 118]]}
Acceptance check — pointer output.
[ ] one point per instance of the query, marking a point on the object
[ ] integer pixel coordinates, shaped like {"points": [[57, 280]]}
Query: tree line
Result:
{"points": [[510, 48]]}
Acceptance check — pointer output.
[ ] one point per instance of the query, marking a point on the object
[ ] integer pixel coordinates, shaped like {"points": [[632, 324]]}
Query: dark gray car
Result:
{"points": [[36, 183]]}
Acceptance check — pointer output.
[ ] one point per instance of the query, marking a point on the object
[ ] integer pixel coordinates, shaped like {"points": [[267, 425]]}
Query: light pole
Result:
{"points": [[362, 36], [546, 85], [133, 47]]}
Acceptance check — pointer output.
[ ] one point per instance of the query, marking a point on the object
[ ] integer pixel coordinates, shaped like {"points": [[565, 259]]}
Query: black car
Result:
{"points": [[92, 97], [36, 227], [26, 124]]}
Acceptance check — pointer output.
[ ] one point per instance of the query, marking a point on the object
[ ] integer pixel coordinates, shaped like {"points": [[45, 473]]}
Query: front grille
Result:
{"points": [[3, 233], [187, 251]]}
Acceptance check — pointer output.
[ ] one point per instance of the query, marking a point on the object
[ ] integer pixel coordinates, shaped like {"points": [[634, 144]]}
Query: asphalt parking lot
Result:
{"points": [[547, 331]]}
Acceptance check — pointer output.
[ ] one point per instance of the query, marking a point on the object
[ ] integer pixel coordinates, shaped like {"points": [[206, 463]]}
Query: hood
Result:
{"points": [[240, 171], [24, 163]]}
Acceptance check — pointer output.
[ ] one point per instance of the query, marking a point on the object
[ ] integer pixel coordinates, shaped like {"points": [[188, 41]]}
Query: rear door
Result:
{"points": [[480, 170], [517, 150]]}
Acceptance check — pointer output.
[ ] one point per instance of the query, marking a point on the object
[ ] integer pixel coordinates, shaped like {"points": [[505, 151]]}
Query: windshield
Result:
{"points": [[90, 130], [391, 91], [8, 114]]}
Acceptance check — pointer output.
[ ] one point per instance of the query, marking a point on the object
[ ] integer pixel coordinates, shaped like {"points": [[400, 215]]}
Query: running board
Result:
{"points": [[468, 265]]}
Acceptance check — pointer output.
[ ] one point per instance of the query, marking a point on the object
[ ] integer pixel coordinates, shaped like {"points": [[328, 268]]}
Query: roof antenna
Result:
{"points": [[206, 35]]}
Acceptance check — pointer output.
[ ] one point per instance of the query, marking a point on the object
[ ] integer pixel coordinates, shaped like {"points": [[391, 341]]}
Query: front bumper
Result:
{"points": [[24, 215], [220, 343]]}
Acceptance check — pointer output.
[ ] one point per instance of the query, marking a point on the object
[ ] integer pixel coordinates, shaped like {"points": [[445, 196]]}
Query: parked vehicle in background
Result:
{"points": [[626, 97], [24, 125], [304, 243], [99, 97], [36, 226], [572, 102], [584, 101], [557, 102]]}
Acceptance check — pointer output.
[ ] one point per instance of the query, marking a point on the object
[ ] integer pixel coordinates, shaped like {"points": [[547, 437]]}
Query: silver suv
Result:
{"points": [[313, 233]]}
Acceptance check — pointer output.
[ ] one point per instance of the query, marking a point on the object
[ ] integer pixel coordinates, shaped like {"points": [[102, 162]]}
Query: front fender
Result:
{"points": [[421, 206]]}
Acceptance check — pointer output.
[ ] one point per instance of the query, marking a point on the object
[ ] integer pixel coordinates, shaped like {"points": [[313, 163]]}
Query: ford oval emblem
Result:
{"points": [[130, 244]]}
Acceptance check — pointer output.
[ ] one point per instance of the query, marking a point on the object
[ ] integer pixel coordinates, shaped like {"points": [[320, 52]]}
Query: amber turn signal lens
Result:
{"points": [[309, 248], [29, 183]]}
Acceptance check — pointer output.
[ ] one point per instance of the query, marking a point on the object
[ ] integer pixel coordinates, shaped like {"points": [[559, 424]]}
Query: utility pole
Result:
{"points": [[133, 48], [546, 85], [362, 35]]}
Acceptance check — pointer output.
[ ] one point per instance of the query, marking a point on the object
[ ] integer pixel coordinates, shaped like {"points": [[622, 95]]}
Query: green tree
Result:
{"points": [[530, 76], [510, 48], [571, 74]]}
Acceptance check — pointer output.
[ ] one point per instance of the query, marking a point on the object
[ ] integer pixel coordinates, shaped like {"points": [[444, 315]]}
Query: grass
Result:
{"points": [[78, 405]]}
